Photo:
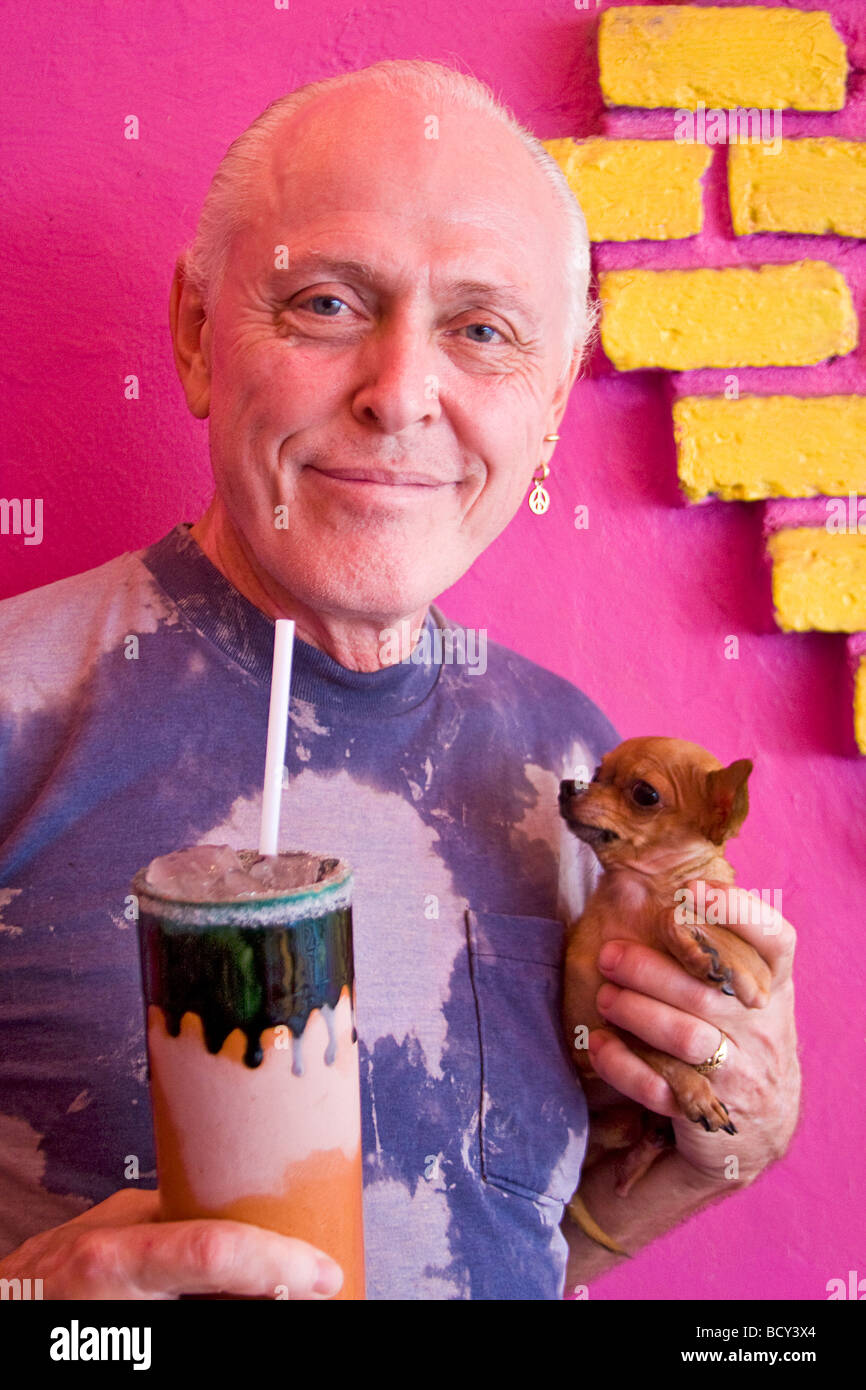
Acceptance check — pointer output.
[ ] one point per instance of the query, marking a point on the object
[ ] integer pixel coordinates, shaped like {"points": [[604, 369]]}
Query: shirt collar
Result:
{"points": [[245, 634]]}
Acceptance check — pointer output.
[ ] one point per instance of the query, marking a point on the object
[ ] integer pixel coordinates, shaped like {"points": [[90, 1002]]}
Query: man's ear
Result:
{"points": [[726, 801], [563, 390], [190, 336]]}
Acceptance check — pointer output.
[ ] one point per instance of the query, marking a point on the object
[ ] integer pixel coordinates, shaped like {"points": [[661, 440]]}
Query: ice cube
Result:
{"points": [[278, 873], [216, 873], [200, 874]]}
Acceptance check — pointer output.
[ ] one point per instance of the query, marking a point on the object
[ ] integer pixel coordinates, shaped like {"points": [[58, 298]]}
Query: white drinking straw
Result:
{"points": [[278, 718]]}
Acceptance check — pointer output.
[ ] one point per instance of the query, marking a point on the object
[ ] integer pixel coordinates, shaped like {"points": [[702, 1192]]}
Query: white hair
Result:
{"points": [[243, 166]]}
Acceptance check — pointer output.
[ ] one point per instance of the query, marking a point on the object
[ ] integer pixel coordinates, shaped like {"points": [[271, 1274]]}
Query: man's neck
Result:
{"points": [[353, 641]]}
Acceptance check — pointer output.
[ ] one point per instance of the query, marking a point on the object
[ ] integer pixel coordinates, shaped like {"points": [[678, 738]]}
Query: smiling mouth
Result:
{"points": [[379, 477]]}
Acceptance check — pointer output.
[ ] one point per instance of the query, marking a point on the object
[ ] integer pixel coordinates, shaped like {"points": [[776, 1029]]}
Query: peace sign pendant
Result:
{"points": [[539, 501]]}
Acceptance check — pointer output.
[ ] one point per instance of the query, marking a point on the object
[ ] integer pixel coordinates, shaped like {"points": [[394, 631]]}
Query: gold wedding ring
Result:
{"points": [[717, 1058]]}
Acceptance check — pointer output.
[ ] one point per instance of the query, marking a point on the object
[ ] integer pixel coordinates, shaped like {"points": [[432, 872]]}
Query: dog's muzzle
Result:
{"points": [[569, 789], [591, 834]]}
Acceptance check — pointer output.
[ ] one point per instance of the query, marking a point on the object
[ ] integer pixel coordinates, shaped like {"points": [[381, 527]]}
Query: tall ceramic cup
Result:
{"points": [[253, 1059]]}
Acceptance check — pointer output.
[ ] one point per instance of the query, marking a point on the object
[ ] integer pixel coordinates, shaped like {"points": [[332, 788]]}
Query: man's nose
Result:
{"points": [[400, 387]]}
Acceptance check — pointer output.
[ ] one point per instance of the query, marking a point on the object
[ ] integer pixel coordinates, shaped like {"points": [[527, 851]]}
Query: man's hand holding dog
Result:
{"points": [[651, 996]]}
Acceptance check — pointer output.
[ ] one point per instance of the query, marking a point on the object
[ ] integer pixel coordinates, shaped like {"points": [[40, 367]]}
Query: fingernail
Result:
{"points": [[606, 996], [330, 1278], [610, 956]]}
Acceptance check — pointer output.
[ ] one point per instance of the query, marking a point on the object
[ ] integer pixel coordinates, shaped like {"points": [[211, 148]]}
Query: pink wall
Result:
{"points": [[635, 610]]}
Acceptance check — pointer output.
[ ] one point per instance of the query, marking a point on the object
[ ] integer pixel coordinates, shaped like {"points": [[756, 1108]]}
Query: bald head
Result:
{"points": [[360, 151], [446, 99]]}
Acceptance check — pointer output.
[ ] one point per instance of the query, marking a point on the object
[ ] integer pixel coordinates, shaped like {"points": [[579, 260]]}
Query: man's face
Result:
{"points": [[392, 386]]}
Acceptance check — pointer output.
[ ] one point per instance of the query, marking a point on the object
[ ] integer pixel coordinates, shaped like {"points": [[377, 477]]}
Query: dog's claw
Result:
{"points": [[726, 990], [720, 974], [729, 1129], [705, 1122]]}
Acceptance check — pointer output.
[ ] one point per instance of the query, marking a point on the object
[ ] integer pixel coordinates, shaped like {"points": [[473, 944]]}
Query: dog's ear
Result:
{"points": [[726, 801]]}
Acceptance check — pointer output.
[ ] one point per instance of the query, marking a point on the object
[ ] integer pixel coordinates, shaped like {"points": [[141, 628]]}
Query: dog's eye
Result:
{"points": [[644, 794]]}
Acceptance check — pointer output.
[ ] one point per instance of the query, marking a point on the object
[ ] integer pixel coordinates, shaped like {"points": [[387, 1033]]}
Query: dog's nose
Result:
{"points": [[567, 789]]}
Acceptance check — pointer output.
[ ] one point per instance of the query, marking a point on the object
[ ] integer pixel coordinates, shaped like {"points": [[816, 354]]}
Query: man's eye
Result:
{"points": [[323, 299], [485, 328]]}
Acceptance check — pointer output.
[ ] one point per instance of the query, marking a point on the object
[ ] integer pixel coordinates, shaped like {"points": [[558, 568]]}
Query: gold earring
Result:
{"points": [[539, 499]]}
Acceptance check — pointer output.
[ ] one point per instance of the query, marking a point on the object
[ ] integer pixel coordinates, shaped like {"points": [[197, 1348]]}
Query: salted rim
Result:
{"points": [[274, 908]]}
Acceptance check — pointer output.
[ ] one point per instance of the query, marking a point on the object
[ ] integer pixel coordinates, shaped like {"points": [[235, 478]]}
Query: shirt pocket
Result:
{"points": [[533, 1122]]}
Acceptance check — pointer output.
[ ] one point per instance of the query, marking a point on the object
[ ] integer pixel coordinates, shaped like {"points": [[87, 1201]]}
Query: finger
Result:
{"points": [[174, 1257], [648, 971], [752, 917], [621, 1068], [126, 1208], [670, 1030]]}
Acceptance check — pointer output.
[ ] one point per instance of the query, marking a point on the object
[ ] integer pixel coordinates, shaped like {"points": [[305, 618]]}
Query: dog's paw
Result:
{"points": [[720, 958], [692, 1091], [698, 1102]]}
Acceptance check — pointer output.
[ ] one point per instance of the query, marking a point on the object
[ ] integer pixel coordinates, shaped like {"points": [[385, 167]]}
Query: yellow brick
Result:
{"points": [[680, 55], [860, 705], [771, 315], [770, 446], [811, 186], [819, 580], [635, 189]]}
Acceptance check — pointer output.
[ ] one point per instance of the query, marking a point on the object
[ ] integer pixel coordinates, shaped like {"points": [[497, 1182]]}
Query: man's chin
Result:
{"points": [[354, 582]]}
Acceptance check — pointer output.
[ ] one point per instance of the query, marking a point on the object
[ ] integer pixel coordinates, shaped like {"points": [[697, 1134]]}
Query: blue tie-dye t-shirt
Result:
{"points": [[133, 714]]}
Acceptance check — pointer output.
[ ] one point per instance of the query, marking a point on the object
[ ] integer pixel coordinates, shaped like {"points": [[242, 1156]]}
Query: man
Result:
{"points": [[381, 321]]}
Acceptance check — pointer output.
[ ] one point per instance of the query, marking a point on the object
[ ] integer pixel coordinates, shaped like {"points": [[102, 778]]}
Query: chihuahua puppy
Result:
{"points": [[657, 813]]}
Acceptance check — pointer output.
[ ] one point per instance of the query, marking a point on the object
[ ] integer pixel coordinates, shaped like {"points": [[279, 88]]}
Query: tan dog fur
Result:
{"points": [[658, 848]]}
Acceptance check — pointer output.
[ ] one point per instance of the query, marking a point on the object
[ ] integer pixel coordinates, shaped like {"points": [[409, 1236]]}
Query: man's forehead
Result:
{"points": [[375, 152], [460, 251], [364, 117]]}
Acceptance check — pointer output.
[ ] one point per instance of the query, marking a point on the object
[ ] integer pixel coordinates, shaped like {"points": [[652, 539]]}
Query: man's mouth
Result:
{"points": [[382, 477]]}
